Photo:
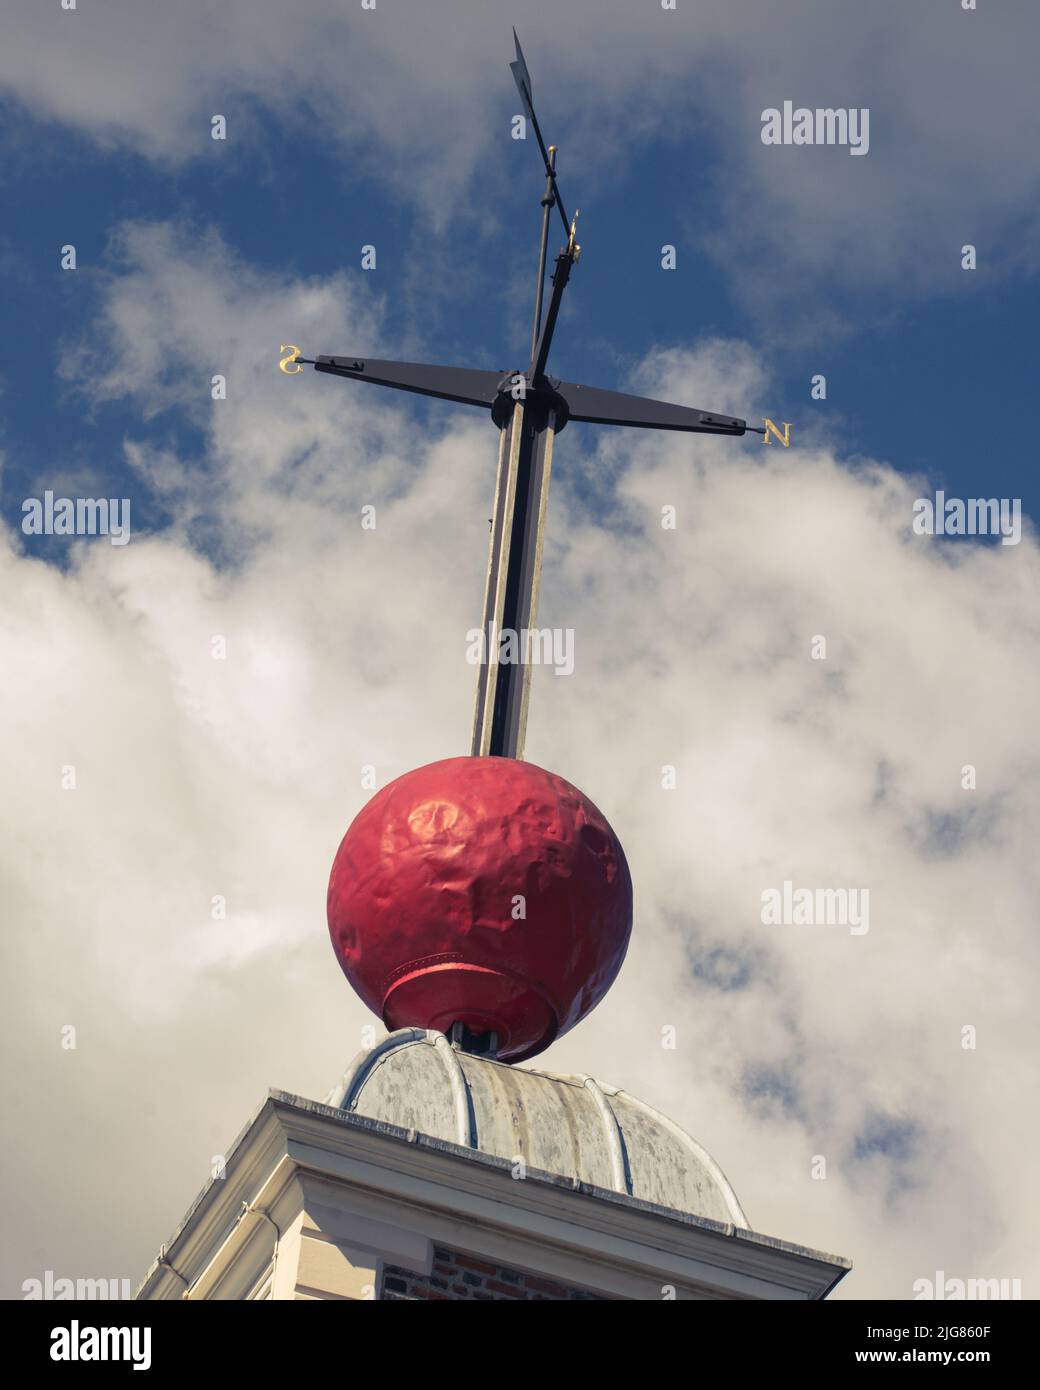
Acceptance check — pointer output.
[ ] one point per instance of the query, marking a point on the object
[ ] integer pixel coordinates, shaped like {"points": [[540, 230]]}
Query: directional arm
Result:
{"points": [[462, 384], [587, 404], [593, 406], [530, 409]]}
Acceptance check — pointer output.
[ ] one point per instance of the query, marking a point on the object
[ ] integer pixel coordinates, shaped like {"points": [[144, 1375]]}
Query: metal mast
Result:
{"points": [[530, 408]]}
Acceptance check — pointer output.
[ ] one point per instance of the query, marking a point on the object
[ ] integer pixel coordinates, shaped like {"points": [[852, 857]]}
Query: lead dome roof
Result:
{"points": [[572, 1126]]}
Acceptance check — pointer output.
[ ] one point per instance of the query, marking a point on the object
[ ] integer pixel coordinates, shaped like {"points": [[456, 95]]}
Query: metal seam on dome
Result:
{"points": [[612, 1133], [700, 1154], [346, 1095], [459, 1088], [342, 1097]]}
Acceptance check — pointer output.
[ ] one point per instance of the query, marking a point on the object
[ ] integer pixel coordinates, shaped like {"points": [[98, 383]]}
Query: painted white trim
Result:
{"points": [[449, 1195]]}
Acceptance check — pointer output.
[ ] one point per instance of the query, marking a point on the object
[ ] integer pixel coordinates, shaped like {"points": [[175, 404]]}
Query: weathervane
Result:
{"points": [[530, 408]]}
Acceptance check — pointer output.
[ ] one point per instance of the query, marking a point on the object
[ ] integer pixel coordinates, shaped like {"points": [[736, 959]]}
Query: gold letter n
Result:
{"points": [[785, 438]]}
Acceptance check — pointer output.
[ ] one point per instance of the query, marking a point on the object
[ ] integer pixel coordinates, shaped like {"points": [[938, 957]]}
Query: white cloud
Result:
{"points": [[421, 96], [199, 777]]}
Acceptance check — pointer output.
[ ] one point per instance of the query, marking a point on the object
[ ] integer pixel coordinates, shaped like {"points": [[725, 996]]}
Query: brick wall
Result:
{"points": [[460, 1276]]}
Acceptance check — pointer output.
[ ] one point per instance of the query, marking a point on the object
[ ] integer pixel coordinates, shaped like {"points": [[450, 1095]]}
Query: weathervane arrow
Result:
{"points": [[530, 408], [522, 78]]}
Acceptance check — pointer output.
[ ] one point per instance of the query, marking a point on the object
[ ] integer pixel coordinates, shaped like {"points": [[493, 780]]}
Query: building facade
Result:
{"points": [[431, 1173]]}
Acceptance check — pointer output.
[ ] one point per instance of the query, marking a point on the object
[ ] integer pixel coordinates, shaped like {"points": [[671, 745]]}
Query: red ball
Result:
{"points": [[485, 891]]}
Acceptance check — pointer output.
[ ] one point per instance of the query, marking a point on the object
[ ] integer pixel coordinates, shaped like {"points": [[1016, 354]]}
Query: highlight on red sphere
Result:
{"points": [[482, 891]]}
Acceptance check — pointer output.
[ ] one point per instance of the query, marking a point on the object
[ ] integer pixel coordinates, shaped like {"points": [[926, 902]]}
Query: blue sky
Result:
{"points": [[937, 381], [693, 647]]}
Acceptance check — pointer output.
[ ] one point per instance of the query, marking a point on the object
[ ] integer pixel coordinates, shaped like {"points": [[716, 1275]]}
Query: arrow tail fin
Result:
{"points": [[522, 78]]}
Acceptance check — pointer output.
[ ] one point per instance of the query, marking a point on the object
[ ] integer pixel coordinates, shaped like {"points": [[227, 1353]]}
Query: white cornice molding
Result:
{"points": [[450, 1193]]}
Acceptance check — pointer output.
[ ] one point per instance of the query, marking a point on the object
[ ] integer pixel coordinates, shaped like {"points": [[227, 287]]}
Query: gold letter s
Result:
{"points": [[293, 352]]}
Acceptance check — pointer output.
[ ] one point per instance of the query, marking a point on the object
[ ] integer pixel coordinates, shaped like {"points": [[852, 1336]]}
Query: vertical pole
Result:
{"points": [[511, 593], [495, 587], [517, 537], [529, 574]]}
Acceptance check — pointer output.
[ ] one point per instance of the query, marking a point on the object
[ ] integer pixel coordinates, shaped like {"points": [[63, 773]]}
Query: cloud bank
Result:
{"points": [[199, 779]]}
